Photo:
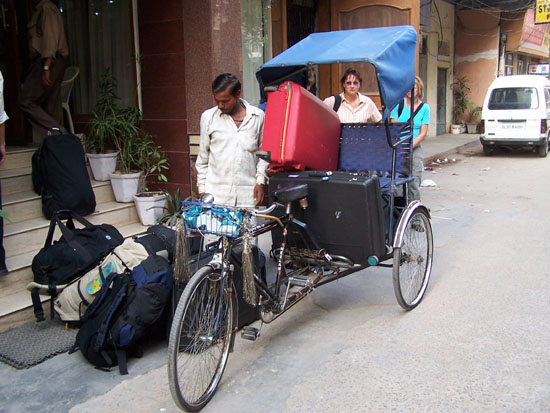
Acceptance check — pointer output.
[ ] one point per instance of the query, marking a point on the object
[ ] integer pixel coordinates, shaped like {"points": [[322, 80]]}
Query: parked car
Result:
{"points": [[516, 112]]}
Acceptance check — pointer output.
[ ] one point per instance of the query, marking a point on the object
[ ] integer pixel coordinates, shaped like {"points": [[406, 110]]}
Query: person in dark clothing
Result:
{"points": [[3, 119], [40, 98]]}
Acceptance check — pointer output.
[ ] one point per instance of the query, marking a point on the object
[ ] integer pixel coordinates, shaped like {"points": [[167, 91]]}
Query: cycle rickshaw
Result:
{"points": [[204, 324]]}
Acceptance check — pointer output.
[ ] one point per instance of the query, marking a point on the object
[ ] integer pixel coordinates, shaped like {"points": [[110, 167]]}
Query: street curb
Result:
{"points": [[457, 149]]}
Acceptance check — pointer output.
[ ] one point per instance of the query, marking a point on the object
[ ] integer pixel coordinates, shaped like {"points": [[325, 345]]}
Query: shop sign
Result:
{"points": [[540, 69]]}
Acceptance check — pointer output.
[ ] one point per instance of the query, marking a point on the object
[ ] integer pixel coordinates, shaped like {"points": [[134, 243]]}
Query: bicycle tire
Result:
{"points": [[412, 262], [200, 339]]}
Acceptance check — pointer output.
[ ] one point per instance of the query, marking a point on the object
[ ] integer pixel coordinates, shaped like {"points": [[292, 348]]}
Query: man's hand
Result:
{"points": [[46, 81], [258, 194]]}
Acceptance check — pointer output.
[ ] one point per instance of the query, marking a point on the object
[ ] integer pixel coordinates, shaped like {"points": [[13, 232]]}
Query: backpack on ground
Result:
{"points": [[60, 176], [74, 254], [124, 312]]}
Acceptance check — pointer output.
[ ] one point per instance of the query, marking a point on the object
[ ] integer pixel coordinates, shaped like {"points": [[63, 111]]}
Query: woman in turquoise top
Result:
{"points": [[421, 122]]}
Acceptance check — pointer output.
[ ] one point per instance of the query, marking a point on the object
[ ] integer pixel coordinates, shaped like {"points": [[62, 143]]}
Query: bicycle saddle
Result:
{"points": [[289, 193]]}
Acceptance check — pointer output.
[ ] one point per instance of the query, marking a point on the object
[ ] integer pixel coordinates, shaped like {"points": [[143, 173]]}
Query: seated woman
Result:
{"points": [[351, 106]]}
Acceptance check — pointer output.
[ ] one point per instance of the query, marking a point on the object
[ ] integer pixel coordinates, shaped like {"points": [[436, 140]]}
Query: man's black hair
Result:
{"points": [[224, 81]]}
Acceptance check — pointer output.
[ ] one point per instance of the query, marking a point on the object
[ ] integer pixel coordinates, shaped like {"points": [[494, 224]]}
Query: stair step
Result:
{"points": [[22, 206], [20, 157], [20, 237], [13, 285], [16, 180]]}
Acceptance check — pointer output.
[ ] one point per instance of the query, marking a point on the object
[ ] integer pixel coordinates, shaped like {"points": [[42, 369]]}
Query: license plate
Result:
{"points": [[512, 126]]}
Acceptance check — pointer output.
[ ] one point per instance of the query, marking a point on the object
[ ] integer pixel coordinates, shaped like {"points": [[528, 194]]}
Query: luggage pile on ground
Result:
{"points": [[73, 255], [72, 302]]}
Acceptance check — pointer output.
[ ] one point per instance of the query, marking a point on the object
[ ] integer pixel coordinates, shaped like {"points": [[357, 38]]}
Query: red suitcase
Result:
{"points": [[300, 131]]}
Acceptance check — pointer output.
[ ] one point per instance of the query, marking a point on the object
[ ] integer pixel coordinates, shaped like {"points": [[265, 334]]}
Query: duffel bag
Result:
{"points": [[71, 303], [73, 255]]}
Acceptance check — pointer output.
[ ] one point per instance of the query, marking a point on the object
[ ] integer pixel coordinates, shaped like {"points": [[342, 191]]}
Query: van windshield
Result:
{"points": [[514, 98]]}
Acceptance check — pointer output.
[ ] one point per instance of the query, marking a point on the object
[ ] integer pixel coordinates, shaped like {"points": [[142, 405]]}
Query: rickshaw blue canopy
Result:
{"points": [[391, 50]]}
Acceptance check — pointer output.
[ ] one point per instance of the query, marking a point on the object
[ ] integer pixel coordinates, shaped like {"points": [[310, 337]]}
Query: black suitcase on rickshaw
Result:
{"points": [[344, 215]]}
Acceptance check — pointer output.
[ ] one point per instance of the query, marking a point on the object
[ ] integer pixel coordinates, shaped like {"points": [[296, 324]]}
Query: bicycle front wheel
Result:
{"points": [[412, 262], [200, 338]]}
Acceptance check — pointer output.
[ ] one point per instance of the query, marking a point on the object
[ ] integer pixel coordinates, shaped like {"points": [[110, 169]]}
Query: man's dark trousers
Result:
{"points": [[41, 104]]}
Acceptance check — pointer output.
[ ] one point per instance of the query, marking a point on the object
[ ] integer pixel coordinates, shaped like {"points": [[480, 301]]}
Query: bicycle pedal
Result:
{"points": [[300, 281], [250, 333]]}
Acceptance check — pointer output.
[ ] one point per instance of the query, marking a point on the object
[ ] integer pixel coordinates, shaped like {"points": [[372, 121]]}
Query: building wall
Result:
{"points": [[477, 50], [163, 84], [212, 35], [183, 47], [439, 54]]}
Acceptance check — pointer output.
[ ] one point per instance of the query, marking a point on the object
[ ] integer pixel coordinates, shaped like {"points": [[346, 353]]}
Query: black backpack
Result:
{"points": [[125, 311], [73, 255], [60, 176]]}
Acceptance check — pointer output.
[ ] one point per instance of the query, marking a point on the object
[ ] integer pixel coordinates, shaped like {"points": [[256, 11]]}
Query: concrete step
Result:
{"points": [[19, 157], [15, 298], [16, 180], [28, 235], [22, 206]]}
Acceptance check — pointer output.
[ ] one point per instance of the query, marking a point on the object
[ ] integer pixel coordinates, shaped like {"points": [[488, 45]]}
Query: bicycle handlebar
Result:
{"points": [[267, 210]]}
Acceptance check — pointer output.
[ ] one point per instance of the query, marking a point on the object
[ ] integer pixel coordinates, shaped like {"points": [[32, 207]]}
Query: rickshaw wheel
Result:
{"points": [[412, 261], [200, 339]]}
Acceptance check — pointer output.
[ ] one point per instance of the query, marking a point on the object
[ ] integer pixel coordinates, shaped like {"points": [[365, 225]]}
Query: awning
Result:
{"points": [[391, 50]]}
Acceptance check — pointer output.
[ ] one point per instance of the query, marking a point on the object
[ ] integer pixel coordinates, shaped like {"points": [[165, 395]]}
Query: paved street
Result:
{"points": [[478, 341]]}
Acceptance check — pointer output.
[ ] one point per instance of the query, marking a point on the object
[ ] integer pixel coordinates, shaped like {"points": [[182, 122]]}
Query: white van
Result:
{"points": [[516, 113]]}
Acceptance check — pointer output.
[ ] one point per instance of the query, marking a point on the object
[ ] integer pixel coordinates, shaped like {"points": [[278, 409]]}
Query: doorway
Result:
{"points": [[441, 112], [13, 61], [355, 14]]}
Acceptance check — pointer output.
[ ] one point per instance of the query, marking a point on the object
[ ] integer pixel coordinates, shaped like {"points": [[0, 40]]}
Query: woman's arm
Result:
{"points": [[421, 135]]}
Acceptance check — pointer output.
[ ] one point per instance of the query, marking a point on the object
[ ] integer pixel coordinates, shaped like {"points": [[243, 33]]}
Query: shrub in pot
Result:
{"points": [[147, 155], [104, 125], [460, 91]]}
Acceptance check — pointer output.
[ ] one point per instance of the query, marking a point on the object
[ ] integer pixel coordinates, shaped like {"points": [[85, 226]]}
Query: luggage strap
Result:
{"points": [[37, 305], [67, 233], [402, 105], [337, 102]]}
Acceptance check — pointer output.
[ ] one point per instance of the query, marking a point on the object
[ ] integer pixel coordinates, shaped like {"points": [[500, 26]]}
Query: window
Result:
{"points": [[514, 98], [99, 36], [256, 44]]}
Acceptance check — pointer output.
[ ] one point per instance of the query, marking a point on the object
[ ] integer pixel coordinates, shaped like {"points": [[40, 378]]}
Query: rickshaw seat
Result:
{"points": [[290, 193], [364, 149]]}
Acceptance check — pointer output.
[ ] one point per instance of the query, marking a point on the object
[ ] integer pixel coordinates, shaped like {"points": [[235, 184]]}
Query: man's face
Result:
{"points": [[226, 101]]}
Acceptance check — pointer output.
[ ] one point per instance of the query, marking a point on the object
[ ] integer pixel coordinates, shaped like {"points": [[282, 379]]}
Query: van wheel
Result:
{"points": [[487, 150], [543, 150]]}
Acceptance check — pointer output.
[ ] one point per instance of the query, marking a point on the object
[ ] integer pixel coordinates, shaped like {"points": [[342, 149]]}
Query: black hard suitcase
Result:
{"points": [[345, 212]]}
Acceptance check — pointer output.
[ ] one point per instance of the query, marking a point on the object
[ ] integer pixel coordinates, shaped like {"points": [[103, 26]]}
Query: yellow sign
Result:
{"points": [[542, 12]]}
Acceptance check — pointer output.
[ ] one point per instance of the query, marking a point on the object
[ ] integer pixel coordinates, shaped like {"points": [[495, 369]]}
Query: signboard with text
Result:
{"points": [[542, 12]]}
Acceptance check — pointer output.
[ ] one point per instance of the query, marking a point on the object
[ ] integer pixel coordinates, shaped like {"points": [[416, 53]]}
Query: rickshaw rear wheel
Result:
{"points": [[200, 339], [412, 261]]}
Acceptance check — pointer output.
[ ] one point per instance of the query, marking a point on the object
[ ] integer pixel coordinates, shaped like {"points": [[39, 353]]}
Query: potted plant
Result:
{"points": [[474, 113], [151, 161], [102, 128], [460, 90], [170, 209]]}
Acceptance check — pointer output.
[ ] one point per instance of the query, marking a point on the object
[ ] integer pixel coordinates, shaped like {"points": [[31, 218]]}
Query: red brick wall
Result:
{"points": [[161, 37]]}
